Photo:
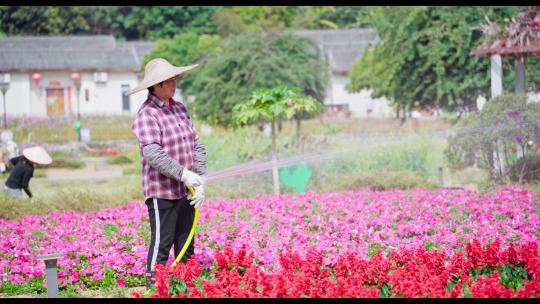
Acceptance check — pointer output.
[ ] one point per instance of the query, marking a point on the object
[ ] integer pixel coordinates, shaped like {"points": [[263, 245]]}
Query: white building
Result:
{"points": [[342, 48], [39, 70]]}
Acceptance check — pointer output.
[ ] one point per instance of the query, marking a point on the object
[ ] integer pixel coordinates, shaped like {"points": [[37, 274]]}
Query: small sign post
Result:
{"points": [[51, 273]]}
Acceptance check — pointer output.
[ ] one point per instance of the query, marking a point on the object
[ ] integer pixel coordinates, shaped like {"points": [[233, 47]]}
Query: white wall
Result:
{"points": [[358, 102], [17, 96], [24, 98], [106, 98]]}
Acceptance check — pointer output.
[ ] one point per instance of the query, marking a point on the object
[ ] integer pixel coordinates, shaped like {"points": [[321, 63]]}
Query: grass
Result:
{"points": [[376, 154], [118, 127], [62, 129], [73, 195], [386, 156], [357, 125]]}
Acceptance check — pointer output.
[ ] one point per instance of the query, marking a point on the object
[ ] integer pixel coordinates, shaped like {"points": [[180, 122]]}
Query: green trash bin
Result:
{"points": [[78, 130]]}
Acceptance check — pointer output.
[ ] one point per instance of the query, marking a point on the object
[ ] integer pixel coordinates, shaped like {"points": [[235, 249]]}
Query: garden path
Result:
{"points": [[96, 168]]}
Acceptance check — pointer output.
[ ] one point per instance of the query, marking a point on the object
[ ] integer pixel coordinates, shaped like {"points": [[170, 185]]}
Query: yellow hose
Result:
{"points": [[191, 233]]}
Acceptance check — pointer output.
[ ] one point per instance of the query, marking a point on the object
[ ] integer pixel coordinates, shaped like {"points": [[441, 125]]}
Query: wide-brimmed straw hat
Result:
{"points": [[37, 155], [158, 70]]}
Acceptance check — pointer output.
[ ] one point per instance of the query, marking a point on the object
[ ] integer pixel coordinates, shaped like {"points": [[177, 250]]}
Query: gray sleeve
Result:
{"points": [[158, 158], [199, 157]]}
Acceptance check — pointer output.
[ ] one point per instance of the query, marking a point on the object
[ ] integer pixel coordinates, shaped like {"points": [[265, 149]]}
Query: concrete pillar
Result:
{"points": [[496, 75], [496, 89], [520, 75]]}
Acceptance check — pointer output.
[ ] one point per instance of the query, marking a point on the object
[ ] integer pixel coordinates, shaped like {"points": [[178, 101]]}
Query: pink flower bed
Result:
{"points": [[360, 221]]}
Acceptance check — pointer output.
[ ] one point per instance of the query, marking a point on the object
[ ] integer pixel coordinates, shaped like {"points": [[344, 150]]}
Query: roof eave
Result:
{"points": [[529, 50], [83, 70]]}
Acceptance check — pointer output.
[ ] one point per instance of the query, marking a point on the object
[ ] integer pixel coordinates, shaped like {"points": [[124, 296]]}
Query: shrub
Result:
{"points": [[504, 129], [69, 163], [525, 169], [393, 180], [119, 160]]}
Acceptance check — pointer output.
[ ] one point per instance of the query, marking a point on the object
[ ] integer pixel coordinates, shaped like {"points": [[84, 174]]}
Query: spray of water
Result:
{"points": [[365, 139]]}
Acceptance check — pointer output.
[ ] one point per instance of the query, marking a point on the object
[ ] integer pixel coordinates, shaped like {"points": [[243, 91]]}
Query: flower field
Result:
{"points": [[396, 243]]}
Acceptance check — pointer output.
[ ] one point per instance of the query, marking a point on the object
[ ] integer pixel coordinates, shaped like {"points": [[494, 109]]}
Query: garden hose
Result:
{"points": [[191, 233]]}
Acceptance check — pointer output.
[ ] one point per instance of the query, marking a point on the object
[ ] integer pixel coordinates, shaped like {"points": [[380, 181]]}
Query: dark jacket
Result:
{"points": [[21, 174]]}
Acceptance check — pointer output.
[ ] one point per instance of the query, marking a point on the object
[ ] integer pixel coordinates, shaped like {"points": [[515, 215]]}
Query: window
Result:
{"points": [[125, 98], [100, 77]]}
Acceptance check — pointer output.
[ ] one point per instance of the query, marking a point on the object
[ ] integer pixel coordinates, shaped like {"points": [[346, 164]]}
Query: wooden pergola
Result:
{"points": [[520, 41]]}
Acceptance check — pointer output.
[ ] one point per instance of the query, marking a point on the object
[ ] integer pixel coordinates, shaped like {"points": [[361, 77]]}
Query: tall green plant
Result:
{"points": [[269, 105], [251, 61]]}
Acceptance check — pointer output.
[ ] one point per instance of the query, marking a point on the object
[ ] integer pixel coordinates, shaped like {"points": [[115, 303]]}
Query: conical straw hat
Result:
{"points": [[158, 70], [37, 155]]}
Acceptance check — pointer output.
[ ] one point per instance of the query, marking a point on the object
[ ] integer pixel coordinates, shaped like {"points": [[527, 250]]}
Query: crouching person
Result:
{"points": [[23, 170]]}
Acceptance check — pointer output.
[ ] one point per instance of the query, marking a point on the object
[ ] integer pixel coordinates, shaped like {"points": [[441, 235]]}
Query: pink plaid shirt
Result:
{"points": [[172, 129]]}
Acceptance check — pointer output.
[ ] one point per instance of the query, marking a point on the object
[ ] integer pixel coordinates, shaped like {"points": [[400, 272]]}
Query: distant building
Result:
{"points": [[39, 70], [342, 48]]}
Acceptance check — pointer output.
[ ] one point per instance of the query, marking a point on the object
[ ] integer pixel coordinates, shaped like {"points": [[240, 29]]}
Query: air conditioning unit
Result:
{"points": [[100, 77], [5, 78]]}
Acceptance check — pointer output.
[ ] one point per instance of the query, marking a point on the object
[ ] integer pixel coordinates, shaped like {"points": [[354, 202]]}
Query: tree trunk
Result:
{"points": [[275, 176], [298, 121]]}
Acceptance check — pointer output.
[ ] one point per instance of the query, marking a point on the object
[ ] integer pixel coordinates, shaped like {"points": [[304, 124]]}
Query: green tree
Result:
{"points": [[423, 55], [269, 105], [153, 22], [101, 19], [250, 61], [185, 49], [126, 22], [345, 17], [228, 23], [310, 17], [266, 17], [39, 20]]}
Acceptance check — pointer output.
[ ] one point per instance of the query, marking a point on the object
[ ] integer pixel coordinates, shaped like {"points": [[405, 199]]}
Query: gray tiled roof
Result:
{"points": [[142, 48], [58, 42], [342, 47], [101, 53]]}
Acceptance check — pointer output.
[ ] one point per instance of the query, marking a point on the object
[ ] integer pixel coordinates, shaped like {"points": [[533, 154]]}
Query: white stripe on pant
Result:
{"points": [[157, 239]]}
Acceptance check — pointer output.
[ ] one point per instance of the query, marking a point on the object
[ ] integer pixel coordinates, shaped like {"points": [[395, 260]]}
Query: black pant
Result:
{"points": [[174, 221]]}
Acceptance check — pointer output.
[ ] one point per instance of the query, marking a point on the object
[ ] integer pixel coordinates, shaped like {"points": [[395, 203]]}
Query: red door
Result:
{"points": [[55, 102]]}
